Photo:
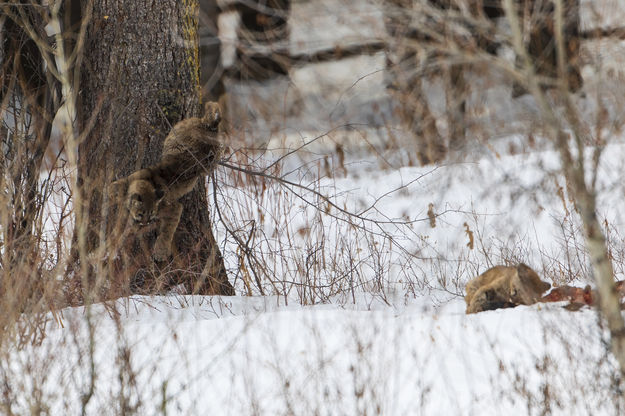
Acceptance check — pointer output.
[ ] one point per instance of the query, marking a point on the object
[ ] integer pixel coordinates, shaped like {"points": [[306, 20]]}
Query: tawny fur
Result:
{"points": [[504, 287], [191, 150]]}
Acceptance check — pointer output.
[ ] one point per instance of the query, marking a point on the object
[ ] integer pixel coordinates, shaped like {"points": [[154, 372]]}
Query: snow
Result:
{"points": [[605, 14], [250, 356], [384, 349], [327, 24]]}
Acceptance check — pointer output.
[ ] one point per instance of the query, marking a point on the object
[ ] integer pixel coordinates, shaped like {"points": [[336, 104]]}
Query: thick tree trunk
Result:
{"points": [[140, 77]]}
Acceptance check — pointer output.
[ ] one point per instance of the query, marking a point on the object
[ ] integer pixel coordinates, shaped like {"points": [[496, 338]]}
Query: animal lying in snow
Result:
{"points": [[504, 287]]}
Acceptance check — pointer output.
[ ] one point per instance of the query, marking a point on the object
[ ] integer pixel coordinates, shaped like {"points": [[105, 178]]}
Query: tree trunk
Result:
{"points": [[211, 70], [140, 77], [609, 297], [262, 44], [597, 246], [574, 170]]}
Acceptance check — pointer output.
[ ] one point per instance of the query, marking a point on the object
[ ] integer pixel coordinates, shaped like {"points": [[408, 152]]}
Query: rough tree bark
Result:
{"points": [[140, 76]]}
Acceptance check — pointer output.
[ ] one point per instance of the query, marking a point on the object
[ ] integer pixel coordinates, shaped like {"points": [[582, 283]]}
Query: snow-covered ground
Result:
{"points": [[398, 343], [240, 356]]}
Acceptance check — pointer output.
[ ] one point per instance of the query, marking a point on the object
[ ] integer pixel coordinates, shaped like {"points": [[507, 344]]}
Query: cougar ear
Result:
{"points": [[118, 188], [530, 279], [523, 268]]}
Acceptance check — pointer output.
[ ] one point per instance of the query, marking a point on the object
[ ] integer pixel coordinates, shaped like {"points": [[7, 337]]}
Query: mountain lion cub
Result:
{"points": [[190, 149]]}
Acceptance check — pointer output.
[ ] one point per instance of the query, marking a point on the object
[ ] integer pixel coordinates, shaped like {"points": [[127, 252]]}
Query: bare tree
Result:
{"points": [[211, 69], [28, 101], [262, 47], [572, 136], [449, 38], [545, 39], [140, 76]]}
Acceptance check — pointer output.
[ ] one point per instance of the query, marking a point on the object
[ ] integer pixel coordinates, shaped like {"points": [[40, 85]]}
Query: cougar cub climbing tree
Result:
{"points": [[139, 78]]}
